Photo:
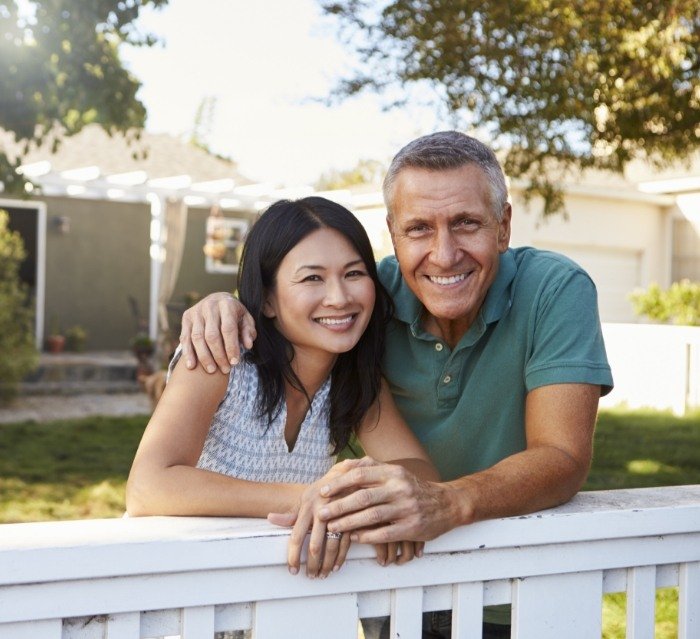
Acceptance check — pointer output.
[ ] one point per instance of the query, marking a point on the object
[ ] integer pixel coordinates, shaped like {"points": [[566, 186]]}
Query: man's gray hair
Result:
{"points": [[448, 150]]}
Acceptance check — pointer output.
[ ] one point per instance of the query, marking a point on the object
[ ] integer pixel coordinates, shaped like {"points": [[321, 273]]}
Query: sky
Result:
{"points": [[266, 63]]}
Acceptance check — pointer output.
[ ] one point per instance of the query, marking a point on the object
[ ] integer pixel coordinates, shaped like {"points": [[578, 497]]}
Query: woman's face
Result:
{"points": [[323, 296]]}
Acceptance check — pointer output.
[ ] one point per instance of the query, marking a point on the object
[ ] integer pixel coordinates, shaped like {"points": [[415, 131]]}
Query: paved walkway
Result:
{"points": [[43, 408]]}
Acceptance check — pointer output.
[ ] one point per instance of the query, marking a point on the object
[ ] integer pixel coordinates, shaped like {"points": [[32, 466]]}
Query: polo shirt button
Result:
{"points": [[438, 347], [447, 379]]}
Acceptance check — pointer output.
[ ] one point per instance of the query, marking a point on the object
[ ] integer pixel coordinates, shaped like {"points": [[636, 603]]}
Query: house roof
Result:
{"points": [[158, 155]]}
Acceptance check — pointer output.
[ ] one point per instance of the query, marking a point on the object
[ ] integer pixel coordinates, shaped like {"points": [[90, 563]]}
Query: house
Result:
{"points": [[116, 238], [97, 247]]}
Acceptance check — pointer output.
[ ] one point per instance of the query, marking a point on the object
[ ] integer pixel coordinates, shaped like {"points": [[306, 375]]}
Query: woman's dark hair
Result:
{"points": [[356, 375]]}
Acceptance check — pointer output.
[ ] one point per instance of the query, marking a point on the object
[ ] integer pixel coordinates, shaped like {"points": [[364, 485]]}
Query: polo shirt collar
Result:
{"points": [[408, 308]]}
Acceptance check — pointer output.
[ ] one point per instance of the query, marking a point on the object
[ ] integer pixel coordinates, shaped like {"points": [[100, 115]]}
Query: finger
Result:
{"points": [[330, 555], [285, 520], [215, 342], [392, 552], [247, 330], [419, 547], [407, 552], [342, 551], [201, 348], [381, 551], [381, 534], [186, 343], [366, 473], [314, 554], [229, 310], [360, 502], [296, 540], [383, 516]]}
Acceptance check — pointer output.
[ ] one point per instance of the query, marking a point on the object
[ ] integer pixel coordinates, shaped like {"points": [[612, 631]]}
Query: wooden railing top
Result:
{"points": [[56, 551]]}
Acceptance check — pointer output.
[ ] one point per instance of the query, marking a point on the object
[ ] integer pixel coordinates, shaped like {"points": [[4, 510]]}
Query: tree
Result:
{"points": [[679, 304], [16, 341], [563, 84], [364, 172], [60, 70]]}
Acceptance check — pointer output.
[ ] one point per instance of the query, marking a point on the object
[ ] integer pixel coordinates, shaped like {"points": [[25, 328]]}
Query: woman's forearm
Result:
{"points": [[188, 491]]}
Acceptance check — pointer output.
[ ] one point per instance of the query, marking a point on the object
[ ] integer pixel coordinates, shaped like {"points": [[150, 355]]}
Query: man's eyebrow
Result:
{"points": [[318, 267]]}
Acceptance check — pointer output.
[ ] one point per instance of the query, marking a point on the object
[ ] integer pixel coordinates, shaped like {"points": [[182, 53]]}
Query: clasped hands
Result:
{"points": [[347, 504]]}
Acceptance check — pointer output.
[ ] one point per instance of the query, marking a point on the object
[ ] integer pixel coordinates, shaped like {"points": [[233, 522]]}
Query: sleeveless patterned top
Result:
{"points": [[242, 444]]}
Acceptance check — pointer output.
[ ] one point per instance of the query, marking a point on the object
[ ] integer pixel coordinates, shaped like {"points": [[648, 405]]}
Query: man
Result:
{"points": [[495, 356]]}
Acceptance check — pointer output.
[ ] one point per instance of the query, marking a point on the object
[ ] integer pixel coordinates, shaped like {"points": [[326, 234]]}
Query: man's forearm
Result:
{"points": [[535, 479]]}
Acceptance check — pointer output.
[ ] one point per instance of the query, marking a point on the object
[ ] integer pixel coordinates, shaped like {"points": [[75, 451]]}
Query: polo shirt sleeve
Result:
{"points": [[566, 337]]}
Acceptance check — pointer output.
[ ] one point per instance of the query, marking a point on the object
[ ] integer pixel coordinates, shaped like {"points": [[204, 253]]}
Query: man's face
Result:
{"points": [[447, 241]]}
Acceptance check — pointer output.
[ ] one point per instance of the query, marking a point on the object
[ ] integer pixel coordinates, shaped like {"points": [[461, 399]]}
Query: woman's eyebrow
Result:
{"points": [[318, 267]]}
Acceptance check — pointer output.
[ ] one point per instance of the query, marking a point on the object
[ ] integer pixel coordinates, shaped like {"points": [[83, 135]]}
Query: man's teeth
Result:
{"points": [[334, 321], [453, 279]]}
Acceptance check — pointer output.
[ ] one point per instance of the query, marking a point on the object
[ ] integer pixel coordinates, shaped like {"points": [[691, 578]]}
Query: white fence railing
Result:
{"points": [[152, 577]]}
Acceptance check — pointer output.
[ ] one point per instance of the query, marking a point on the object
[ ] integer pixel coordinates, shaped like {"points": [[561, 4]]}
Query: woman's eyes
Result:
{"points": [[355, 273]]}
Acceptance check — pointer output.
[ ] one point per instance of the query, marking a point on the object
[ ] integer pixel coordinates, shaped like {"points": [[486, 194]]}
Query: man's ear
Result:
{"points": [[390, 225], [504, 229]]}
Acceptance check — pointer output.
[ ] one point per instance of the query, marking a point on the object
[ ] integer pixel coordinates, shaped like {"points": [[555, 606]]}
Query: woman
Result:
{"points": [[250, 443]]}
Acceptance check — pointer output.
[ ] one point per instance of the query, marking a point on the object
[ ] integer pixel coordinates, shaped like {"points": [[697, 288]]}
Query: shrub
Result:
{"points": [[679, 304], [19, 355]]}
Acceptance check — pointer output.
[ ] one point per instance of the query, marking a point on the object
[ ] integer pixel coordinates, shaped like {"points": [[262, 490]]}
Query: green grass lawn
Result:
{"points": [[77, 469]]}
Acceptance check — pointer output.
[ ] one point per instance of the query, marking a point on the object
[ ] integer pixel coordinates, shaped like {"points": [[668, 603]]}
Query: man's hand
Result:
{"points": [[212, 331], [388, 503]]}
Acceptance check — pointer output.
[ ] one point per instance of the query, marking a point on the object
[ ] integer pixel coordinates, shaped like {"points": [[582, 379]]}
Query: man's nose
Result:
{"points": [[445, 250]]}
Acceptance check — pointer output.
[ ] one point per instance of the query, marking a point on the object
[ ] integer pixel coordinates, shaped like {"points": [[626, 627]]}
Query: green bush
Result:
{"points": [[19, 355], [679, 304]]}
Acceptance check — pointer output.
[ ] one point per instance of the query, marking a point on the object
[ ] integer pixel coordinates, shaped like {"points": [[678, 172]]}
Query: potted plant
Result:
{"points": [[75, 338], [142, 345], [55, 340]]}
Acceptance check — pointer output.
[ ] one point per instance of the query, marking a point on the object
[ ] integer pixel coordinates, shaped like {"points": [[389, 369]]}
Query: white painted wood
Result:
{"points": [[689, 601], [98, 575], [124, 626], [555, 606], [47, 629], [160, 623], [406, 613], [641, 602], [198, 622], [233, 617], [467, 610], [310, 618]]}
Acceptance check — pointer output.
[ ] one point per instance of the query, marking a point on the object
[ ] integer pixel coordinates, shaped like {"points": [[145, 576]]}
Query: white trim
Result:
{"points": [[40, 293]]}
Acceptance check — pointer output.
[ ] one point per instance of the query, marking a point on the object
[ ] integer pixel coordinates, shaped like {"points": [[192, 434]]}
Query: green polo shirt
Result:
{"points": [[539, 325]]}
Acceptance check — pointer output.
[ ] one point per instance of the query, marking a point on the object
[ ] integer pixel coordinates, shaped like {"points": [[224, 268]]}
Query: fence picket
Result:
{"points": [[467, 610], [406, 613], [689, 601], [124, 626], [198, 622], [46, 629], [555, 606], [641, 601]]}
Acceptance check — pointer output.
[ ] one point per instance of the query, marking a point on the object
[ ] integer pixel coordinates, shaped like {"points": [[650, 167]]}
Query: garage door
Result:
{"points": [[615, 273]]}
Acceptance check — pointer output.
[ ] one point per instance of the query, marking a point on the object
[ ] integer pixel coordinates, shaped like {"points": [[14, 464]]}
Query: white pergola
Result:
{"points": [[89, 182]]}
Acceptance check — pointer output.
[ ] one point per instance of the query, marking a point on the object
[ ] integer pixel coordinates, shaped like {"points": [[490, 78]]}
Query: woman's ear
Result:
{"points": [[268, 308]]}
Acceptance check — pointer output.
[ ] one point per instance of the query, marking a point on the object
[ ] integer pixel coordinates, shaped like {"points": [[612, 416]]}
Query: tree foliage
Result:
{"points": [[364, 172], [16, 341], [679, 304], [60, 70], [564, 83]]}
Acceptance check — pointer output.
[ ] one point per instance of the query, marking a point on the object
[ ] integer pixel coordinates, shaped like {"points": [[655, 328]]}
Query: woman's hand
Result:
{"points": [[326, 551]]}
